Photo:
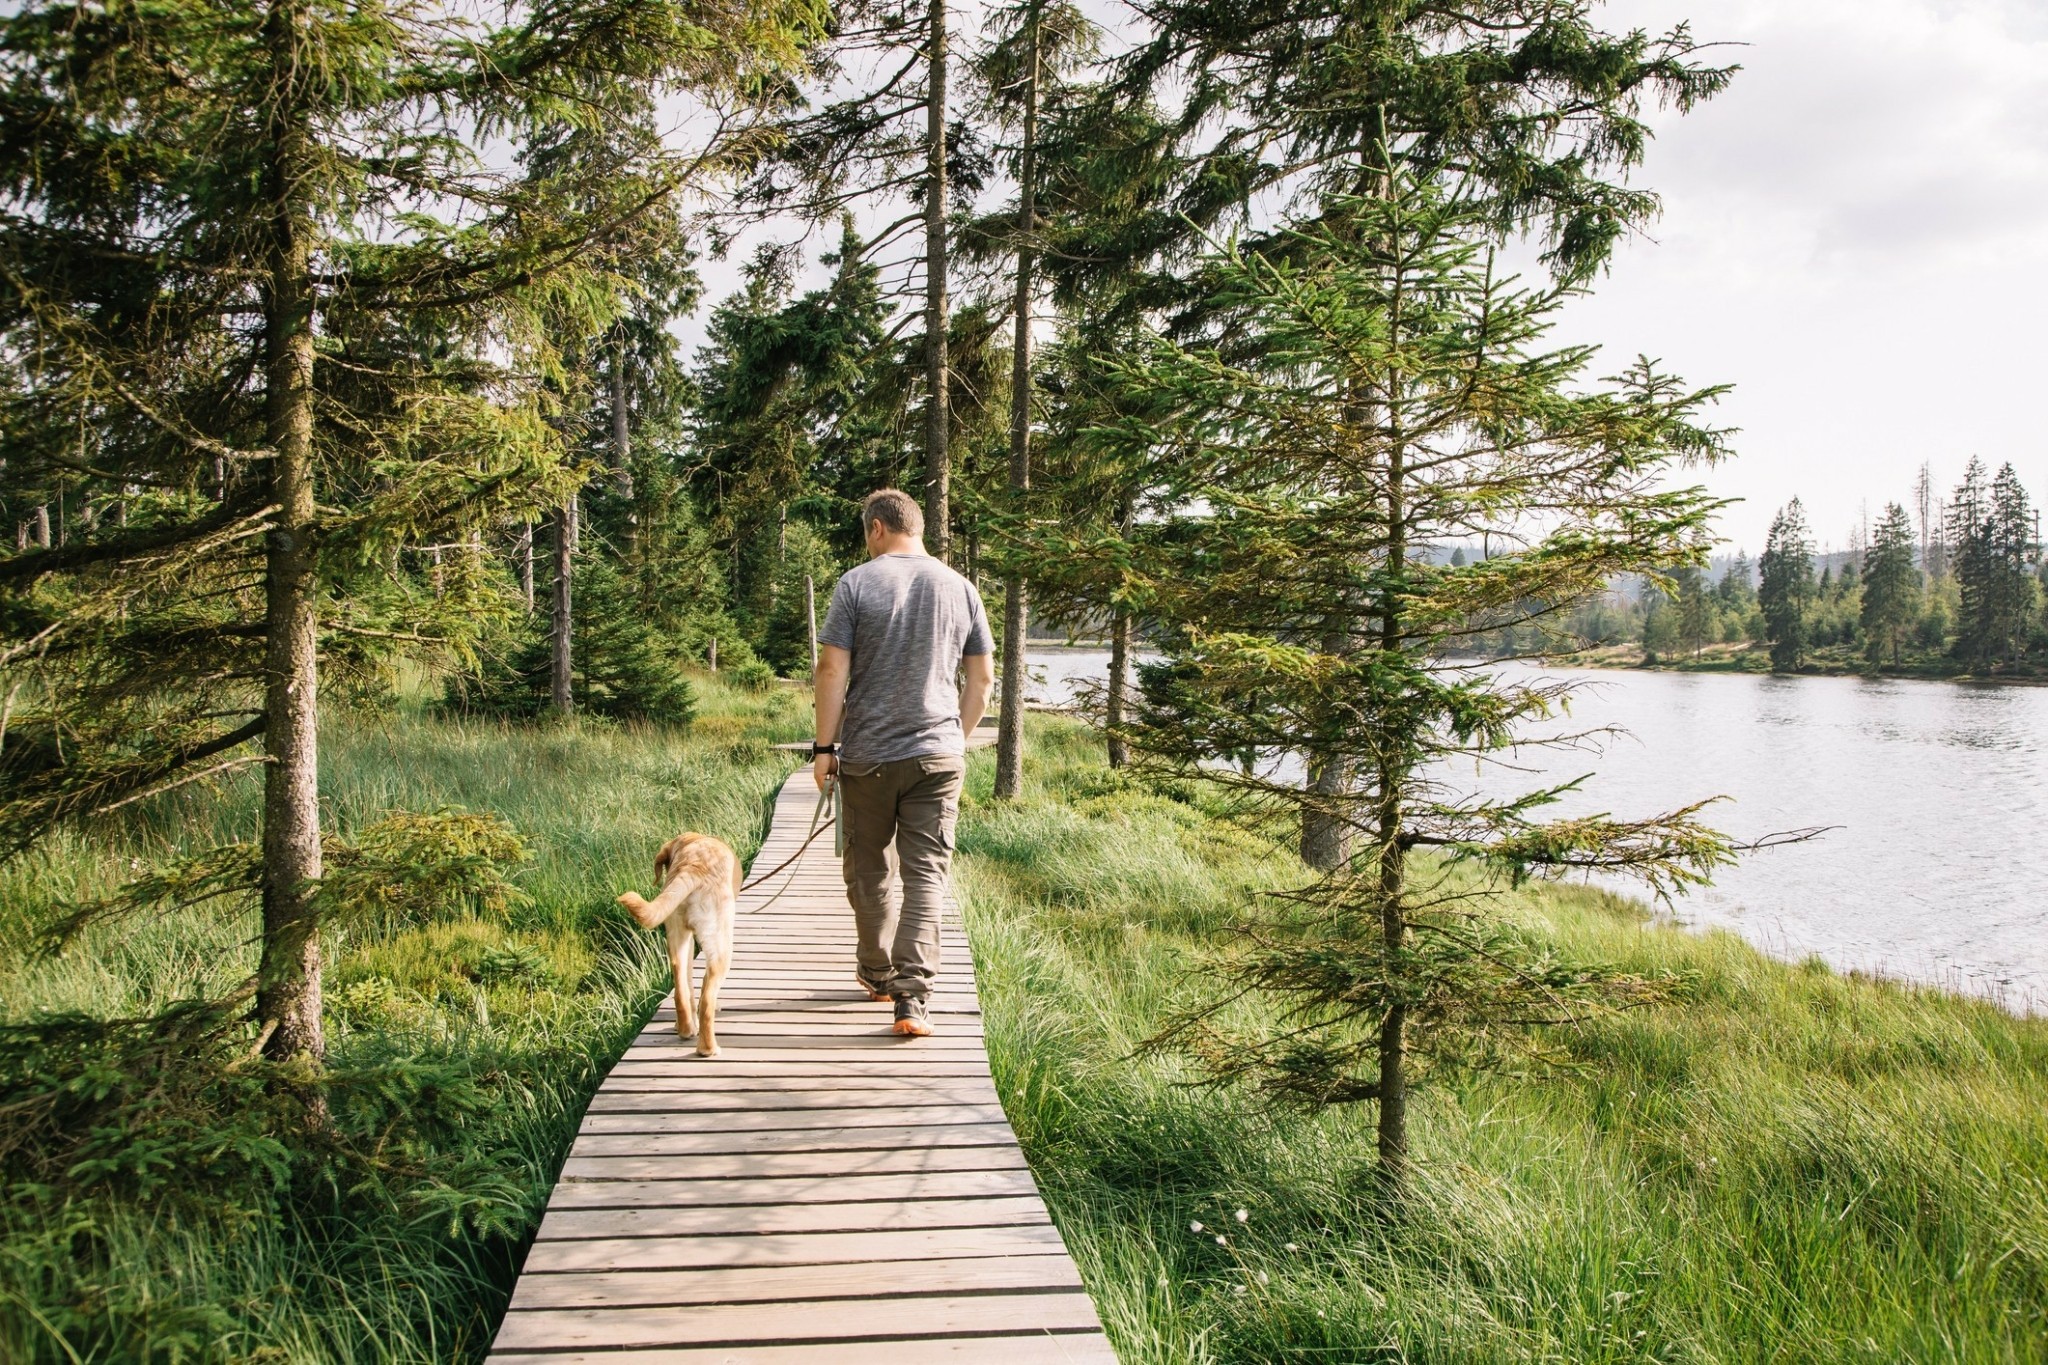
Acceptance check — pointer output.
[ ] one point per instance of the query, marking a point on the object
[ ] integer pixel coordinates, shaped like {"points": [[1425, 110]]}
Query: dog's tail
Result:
{"points": [[648, 913]]}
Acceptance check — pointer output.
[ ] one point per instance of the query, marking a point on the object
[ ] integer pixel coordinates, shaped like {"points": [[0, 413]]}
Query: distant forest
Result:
{"points": [[1936, 584]]}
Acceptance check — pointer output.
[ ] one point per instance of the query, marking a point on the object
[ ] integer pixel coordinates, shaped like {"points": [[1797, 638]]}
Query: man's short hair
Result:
{"points": [[895, 510]]}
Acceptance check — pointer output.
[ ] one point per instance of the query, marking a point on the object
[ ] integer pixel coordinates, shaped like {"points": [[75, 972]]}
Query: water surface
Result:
{"points": [[1937, 866]]}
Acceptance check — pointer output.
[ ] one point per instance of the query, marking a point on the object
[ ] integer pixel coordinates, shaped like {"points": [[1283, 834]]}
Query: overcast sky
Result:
{"points": [[1855, 236]]}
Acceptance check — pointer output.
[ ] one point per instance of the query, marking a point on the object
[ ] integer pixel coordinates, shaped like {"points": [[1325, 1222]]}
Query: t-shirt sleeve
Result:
{"points": [[979, 640], [838, 631]]}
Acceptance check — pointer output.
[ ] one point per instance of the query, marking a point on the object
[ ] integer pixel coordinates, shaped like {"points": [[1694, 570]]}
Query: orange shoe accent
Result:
{"points": [[913, 1028], [879, 997]]}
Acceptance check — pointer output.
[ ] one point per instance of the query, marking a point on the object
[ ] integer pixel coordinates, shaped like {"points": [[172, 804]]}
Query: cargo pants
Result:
{"points": [[899, 851]]}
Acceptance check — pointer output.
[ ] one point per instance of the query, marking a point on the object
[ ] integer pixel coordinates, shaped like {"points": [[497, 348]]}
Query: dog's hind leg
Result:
{"points": [[680, 951], [715, 964]]}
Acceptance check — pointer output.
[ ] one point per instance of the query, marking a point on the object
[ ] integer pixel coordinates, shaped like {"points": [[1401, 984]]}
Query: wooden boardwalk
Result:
{"points": [[824, 1191]]}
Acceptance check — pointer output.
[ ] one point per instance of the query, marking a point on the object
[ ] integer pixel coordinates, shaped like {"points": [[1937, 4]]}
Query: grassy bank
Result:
{"points": [[1782, 1164], [463, 1048]]}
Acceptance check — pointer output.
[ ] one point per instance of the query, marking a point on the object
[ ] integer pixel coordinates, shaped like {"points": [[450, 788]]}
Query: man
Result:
{"points": [[900, 628]]}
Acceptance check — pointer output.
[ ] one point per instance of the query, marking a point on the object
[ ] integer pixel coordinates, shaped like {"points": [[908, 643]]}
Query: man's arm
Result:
{"points": [[828, 695], [977, 676]]}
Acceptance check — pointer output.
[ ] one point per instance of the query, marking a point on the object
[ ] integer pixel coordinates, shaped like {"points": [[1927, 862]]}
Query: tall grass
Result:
{"points": [[1781, 1164], [526, 1011]]}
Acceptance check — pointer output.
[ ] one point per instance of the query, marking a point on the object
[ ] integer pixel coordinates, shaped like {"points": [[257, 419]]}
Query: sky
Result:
{"points": [[1854, 236]]}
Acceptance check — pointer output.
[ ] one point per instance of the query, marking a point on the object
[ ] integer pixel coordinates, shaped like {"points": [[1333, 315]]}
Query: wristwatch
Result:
{"points": [[820, 750]]}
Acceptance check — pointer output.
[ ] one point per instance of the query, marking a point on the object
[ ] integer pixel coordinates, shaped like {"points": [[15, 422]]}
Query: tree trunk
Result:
{"points": [[522, 552], [42, 521], [938, 470], [1016, 609], [1392, 779], [622, 447], [288, 976], [1326, 832], [1116, 704], [565, 547]]}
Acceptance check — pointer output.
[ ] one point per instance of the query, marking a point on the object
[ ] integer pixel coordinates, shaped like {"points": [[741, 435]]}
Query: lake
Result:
{"points": [[1937, 868]]}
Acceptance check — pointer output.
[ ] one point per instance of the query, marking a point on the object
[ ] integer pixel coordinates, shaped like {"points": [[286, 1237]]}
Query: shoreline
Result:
{"points": [[1752, 662]]}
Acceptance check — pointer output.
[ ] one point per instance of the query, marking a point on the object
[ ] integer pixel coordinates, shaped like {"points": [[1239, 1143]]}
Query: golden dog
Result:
{"points": [[700, 876]]}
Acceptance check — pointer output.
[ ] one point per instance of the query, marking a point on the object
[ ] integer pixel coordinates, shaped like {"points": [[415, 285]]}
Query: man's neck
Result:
{"points": [[897, 545]]}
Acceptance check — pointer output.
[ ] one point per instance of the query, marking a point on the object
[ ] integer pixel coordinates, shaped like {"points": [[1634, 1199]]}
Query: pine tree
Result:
{"points": [[259, 279], [1524, 107], [1527, 105], [1695, 609], [1299, 504], [1785, 590], [1891, 586], [789, 420], [1991, 532], [893, 140]]}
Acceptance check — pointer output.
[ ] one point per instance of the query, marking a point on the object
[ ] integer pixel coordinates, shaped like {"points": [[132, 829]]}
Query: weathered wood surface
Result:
{"points": [[823, 1192]]}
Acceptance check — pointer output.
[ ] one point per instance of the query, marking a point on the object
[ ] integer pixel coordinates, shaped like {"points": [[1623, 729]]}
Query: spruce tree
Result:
{"points": [[1785, 588], [895, 140], [1991, 531], [1298, 503], [1525, 108], [1695, 609], [1891, 586], [274, 305]]}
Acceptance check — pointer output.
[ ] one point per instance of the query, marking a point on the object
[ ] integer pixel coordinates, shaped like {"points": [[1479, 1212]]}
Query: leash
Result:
{"points": [[829, 794]]}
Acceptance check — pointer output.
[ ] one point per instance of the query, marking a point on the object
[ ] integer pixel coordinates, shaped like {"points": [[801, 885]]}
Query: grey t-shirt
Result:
{"points": [[907, 620]]}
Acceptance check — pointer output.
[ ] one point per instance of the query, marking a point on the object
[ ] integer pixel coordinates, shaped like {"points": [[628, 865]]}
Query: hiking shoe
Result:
{"points": [[913, 1017], [875, 993]]}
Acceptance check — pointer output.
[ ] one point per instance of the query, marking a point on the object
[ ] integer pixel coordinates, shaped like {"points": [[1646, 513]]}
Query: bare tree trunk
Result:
{"points": [[288, 977], [1116, 709], [522, 553], [1016, 609], [1325, 830], [938, 470], [42, 524], [622, 445], [565, 547], [1391, 778]]}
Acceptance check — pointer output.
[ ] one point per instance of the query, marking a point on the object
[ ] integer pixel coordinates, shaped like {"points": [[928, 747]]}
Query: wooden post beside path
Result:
{"points": [[824, 1191]]}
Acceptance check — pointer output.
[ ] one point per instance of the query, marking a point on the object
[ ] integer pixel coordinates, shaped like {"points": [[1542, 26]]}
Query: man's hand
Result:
{"points": [[828, 696]]}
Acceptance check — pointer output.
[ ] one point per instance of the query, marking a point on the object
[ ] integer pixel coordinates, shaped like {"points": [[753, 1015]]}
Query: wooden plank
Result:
{"points": [[709, 1102], [712, 1088], [751, 1121], [991, 1134], [1078, 1348], [713, 1220], [855, 1070], [816, 1248], [756, 1284], [886, 1049], [717, 1165], [813, 1021], [748, 1042], [829, 1187], [836, 1320]]}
